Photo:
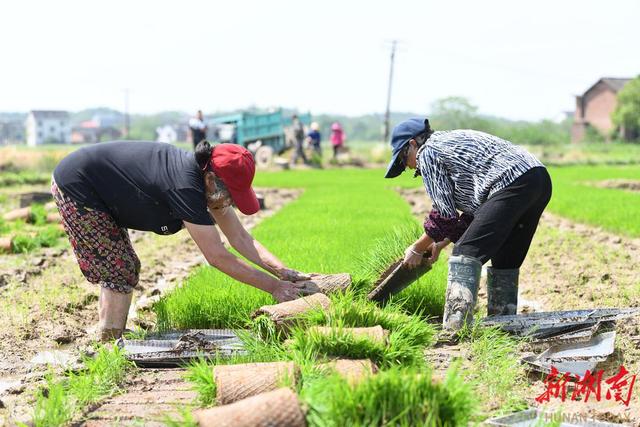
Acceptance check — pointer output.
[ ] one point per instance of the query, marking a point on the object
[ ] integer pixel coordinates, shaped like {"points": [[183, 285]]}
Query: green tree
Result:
{"points": [[454, 112], [627, 112]]}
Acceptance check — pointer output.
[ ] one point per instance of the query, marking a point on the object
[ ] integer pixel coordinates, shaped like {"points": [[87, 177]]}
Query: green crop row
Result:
{"points": [[346, 221], [576, 196]]}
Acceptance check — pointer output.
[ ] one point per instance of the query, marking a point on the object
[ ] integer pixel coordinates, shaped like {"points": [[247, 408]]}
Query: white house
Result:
{"points": [[45, 127]]}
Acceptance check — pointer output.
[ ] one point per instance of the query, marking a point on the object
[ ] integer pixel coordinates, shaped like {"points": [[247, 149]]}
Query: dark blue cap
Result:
{"points": [[400, 137]]}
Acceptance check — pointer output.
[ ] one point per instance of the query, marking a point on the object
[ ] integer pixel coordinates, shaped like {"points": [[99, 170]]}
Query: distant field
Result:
{"points": [[576, 197]]}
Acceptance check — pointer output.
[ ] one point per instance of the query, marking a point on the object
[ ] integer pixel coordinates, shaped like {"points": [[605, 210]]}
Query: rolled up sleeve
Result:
{"points": [[439, 227]]}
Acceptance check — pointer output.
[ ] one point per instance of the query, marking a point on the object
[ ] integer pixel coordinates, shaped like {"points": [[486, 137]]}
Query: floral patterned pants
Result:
{"points": [[102, 248]]}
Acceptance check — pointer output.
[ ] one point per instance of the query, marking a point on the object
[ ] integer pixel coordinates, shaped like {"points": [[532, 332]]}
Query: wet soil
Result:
{"points": [[619, 184], [53, 305], [575, 266]]}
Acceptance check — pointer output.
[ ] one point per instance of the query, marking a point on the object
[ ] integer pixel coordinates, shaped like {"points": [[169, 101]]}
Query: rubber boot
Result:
{"points": [[462, 292], [502, 291]]}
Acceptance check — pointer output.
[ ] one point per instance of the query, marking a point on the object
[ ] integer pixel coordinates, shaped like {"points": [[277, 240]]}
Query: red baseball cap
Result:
{"points": [[234, 165]]}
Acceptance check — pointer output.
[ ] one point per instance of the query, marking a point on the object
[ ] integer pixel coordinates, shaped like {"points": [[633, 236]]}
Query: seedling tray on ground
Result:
{"points": [[546, 325], [175, 348], [394, 279]]}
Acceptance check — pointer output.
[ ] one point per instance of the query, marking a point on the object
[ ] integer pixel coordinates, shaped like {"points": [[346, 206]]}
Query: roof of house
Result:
{"points": [[50, 114], [614, 83]]}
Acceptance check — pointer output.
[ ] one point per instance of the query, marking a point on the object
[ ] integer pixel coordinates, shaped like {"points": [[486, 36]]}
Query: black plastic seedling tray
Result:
{"points": [[395, 278]]}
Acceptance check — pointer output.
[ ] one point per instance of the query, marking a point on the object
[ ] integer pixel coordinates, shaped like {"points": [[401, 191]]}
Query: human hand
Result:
{"points": [[292, 275], [436, 248], [287, 291], [412, 258]]}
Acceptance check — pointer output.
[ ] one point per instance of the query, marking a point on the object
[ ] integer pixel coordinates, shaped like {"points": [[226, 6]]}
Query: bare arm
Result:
{"points": [[244, 242], [211, 246]]}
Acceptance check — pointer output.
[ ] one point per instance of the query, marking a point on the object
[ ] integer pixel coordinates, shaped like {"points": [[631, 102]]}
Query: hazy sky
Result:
{"points": [[518, 59]]}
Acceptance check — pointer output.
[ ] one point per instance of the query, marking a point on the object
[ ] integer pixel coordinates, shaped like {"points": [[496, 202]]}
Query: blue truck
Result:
{"points": [[264, 134]]}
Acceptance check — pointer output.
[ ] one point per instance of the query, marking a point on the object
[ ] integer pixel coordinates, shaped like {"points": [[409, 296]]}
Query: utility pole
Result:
{"points": [[387, 113], [126, 114]]}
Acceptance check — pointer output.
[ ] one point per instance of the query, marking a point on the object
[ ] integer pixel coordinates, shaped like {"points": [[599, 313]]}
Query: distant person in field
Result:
{"points": [[298, 138], [314, 139], [197, 129], [104, 189], [337, 138], [487, 196]]}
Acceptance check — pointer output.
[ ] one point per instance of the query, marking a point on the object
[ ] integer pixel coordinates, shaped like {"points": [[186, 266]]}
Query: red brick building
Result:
{"points": [[594, 107]]}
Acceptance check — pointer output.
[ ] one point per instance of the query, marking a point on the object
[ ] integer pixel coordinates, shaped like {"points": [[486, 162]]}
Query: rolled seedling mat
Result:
{"points": [[373, 333], [395, 278], [284, 314], [353, 370], [277, 408], [237, 382], [326, 283], [22, 213], [6, 245]]}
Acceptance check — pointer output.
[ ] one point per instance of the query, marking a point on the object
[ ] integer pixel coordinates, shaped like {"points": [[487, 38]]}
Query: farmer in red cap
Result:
{"points": [[105, 189]]}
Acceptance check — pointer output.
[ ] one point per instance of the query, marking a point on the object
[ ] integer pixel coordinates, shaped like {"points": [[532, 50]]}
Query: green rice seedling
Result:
{"points": [[23, 243], [400, 349], [53, 407], [185, 419], [200, 375], [265, 328], [397, 397], [38, 215], [100, 377], [200, 372], [353, 311], [387, 250], [48, 236], [210, 299], [426, 296], [496, 373], [575, 197]]}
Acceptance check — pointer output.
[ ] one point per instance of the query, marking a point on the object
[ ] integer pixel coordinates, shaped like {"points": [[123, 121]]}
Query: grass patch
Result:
{"points": [[497, 374], [611, 209], [326, 230], [350, 311], [397, 397], [400, 350], [210, 299], [63, 400], [46, 237]]}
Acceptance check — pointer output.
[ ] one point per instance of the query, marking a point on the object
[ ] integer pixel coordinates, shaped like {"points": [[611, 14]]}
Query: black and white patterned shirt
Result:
{"points": [[461, 169]]}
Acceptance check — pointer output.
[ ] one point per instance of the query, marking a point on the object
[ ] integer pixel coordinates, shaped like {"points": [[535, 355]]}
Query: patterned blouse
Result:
{"points": [[461, 169]]}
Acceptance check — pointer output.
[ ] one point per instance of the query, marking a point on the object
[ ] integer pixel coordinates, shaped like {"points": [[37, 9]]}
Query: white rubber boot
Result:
{"points": [[462, 292]]}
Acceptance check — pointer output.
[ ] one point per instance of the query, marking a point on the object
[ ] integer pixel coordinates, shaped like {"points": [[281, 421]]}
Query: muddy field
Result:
{"points": [[573, 266], [54, 309]]}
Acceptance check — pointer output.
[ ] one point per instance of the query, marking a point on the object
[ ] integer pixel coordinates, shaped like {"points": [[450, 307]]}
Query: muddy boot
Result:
{"points": [[502, 291], [462, 292]]}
